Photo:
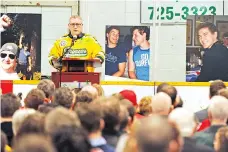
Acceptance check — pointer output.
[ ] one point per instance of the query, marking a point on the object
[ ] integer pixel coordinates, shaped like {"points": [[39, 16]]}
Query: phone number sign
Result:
{"points": [[177, 11]]}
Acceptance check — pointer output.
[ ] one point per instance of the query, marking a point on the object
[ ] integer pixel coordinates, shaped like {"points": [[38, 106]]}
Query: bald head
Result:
{"points": [[161, 103], [154, 135], [185, 120], [91, 90]]}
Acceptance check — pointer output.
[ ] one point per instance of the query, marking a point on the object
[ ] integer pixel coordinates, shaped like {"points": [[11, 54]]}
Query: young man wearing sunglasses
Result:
{"points": [[8, 62]]}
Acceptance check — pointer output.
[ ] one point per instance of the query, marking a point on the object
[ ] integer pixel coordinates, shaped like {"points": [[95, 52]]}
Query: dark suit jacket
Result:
{"points": [[206, 137], [190, 145], [202, 114]]}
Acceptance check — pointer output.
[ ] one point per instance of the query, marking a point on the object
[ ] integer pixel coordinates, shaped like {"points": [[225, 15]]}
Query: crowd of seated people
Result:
{"points": [[53, 119]]}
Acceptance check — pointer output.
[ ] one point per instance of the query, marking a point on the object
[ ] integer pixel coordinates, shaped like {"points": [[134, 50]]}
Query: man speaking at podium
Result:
{"points": [[75, 44]]}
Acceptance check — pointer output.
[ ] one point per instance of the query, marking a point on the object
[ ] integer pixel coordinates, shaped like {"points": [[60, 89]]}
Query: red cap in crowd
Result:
{"points": [[130, 95]]}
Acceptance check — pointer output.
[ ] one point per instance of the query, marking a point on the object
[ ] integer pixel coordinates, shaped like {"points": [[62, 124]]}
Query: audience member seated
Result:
{"points": [[18, 118], [187, 124], [91, 119], [34, 98], [47, 107], [99, 88], [144, 107], [221, 140], [161, 104], [218, 114], [48, 87], [70, 139], [9, 104], [214, 88], [63, 97], [33, 143], [91, 90], [83, 97]]}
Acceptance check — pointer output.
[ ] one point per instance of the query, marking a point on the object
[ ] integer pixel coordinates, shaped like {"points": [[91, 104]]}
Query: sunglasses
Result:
{"points": [[11, 56]]}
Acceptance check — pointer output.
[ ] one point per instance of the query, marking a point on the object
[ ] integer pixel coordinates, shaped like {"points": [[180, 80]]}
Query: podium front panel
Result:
{"points": [[92, 77]]}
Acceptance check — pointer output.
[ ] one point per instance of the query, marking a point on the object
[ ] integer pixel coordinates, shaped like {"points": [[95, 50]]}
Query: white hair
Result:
{"points": [[91, 90], [185, 121], [219, 108], [18, 118], [161, 103]]}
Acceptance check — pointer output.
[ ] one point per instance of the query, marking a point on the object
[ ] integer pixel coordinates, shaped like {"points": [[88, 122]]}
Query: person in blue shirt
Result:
{"points": [[139, 56], [115, 53]]}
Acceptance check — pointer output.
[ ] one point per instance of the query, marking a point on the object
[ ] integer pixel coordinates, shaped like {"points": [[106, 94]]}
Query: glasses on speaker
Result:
{"points": [[75, 24], [11, 56]]}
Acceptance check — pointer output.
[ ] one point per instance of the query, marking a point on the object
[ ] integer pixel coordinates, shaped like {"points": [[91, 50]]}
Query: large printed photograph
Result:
{"points": [[207, 55], [127, 52], [20, 46]]}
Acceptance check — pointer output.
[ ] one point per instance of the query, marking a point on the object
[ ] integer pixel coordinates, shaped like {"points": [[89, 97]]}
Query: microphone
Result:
{"points": [[73, 39]]}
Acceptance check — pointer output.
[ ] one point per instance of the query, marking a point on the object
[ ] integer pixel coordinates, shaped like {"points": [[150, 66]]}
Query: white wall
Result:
{"points": [[168, 42]]}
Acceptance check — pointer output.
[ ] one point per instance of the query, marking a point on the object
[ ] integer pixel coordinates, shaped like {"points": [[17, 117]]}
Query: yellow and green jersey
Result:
{"points": [[86, 47]]}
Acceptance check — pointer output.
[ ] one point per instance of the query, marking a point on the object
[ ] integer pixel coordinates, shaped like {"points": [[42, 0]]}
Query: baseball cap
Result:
{"points": [[225, 35], [12, 47], [130, 95]]}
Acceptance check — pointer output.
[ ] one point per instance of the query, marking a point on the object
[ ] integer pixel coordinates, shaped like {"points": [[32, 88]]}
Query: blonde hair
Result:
{"points": [[99, 88], [145, 105], [75, 17]]}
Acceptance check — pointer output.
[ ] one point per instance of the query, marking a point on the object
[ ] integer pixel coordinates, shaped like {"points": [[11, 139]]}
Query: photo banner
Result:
{"points": [[127, 53], [24, 30], [207, 48]]}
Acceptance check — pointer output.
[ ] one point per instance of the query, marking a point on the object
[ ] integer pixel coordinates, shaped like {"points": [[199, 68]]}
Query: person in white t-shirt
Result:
{"points": [[8, 62]]}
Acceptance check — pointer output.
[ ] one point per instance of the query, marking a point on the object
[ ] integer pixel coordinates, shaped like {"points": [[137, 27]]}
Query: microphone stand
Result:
{"points": [[60, 60]]}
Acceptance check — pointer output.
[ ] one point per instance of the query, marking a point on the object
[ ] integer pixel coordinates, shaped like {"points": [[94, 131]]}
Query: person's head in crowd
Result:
{"points": [[9, 57], [161, 104], [179, 102], [19, 116], [225, 39], [75, 25], [59, 117], [217, 111], [71, 139], [221, 140], [154, 134], [145, 108], [9, 104], [33, 123], [119, 96], [25, 45], [91, 90], [63, 97], [33, 143], [169, 90], [215, 86], [111, 111], [91, 118], [140, 34], [223, 92], [34, 98], [185, 120], [48, 87], [161, 86], [99, 88], [131, 96], [83, 97], [124, 119], [112, 34], [47, 107], [208, 35], [131, 111]]}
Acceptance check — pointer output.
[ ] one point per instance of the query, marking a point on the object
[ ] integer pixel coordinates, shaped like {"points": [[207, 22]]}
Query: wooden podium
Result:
{"points": [[75, 69]]}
